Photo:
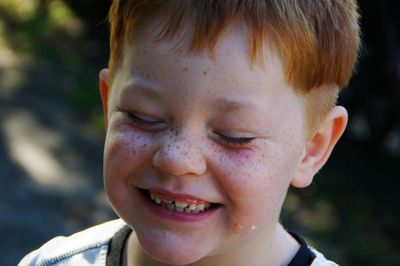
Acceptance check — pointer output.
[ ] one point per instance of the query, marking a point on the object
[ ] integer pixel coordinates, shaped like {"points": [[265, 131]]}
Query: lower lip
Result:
{"points": [[164, 213]]}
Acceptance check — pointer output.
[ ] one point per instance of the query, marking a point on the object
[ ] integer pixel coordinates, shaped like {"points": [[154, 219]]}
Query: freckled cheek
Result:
{"points": [[254, 185], [245, 172], [125, 150]]}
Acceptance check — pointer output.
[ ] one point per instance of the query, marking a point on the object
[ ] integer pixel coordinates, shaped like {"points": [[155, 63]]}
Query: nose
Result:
{"points": [[180, 156]]}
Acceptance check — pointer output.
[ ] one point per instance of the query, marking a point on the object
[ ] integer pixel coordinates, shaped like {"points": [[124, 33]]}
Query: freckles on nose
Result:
{"points": [[179, 158]]}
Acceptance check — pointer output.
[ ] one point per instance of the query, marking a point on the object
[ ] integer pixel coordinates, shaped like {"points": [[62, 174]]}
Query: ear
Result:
{"points": [[320, 146], [104, 91]]}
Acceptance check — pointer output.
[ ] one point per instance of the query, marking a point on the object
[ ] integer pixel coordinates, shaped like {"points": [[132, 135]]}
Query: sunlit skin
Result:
{"points": [[216, 129]]}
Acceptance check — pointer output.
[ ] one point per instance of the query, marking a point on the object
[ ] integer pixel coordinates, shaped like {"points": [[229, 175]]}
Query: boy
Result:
{"points": [[213, 109]]}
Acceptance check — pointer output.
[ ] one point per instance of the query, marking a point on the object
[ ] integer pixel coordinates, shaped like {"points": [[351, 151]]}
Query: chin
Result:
{"points": [[173, 254]]}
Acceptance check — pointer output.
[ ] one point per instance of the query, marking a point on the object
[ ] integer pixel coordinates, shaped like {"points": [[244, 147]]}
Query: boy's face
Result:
{"points": [[189, 128]]}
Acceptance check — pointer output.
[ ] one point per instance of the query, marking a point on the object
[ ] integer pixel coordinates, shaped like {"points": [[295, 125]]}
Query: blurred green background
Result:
{"points": [[51, 136]]}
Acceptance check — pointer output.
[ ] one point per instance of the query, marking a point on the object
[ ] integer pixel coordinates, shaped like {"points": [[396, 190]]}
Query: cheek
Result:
{"points": [[125, 150], [247, 173], [256, 183]]}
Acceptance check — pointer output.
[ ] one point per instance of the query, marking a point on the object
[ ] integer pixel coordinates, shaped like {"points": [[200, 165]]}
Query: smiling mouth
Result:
{"points": [[179, 205]]}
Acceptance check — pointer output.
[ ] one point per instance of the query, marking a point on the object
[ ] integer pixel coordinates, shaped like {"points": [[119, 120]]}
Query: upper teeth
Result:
{"points": [[180, 206]]}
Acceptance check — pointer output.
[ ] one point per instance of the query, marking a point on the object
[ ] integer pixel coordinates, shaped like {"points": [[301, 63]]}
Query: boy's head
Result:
{"points": [[213, 108]]}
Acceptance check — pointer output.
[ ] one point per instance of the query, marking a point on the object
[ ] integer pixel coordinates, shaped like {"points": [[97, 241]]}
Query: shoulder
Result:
{"points": [[88, 247], [320, 260]]}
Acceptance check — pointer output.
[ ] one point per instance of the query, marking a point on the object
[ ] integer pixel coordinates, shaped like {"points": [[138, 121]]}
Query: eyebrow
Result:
{"points": [[231, 105], [146, 87]]}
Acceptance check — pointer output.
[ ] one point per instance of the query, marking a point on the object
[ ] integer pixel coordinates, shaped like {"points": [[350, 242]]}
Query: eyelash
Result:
{"points": [[139, 121], [234, 141]]}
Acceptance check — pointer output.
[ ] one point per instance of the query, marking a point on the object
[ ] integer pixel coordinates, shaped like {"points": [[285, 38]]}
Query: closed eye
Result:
{"points": [[143, 121], [238, 141]]}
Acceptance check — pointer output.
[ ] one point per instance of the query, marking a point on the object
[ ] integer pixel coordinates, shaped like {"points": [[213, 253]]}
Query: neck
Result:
{"points": [[277, 248]]}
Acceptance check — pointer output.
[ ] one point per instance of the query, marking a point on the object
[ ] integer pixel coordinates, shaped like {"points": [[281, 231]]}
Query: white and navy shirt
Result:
{"points": [[103, 245]]}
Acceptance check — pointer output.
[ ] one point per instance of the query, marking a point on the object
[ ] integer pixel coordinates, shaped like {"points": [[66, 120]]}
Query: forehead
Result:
{"points": [[230, 62]]}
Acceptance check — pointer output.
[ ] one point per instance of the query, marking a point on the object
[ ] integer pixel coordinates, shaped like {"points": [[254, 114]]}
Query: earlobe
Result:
{"points": [[320, 146], [104, 91]]}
